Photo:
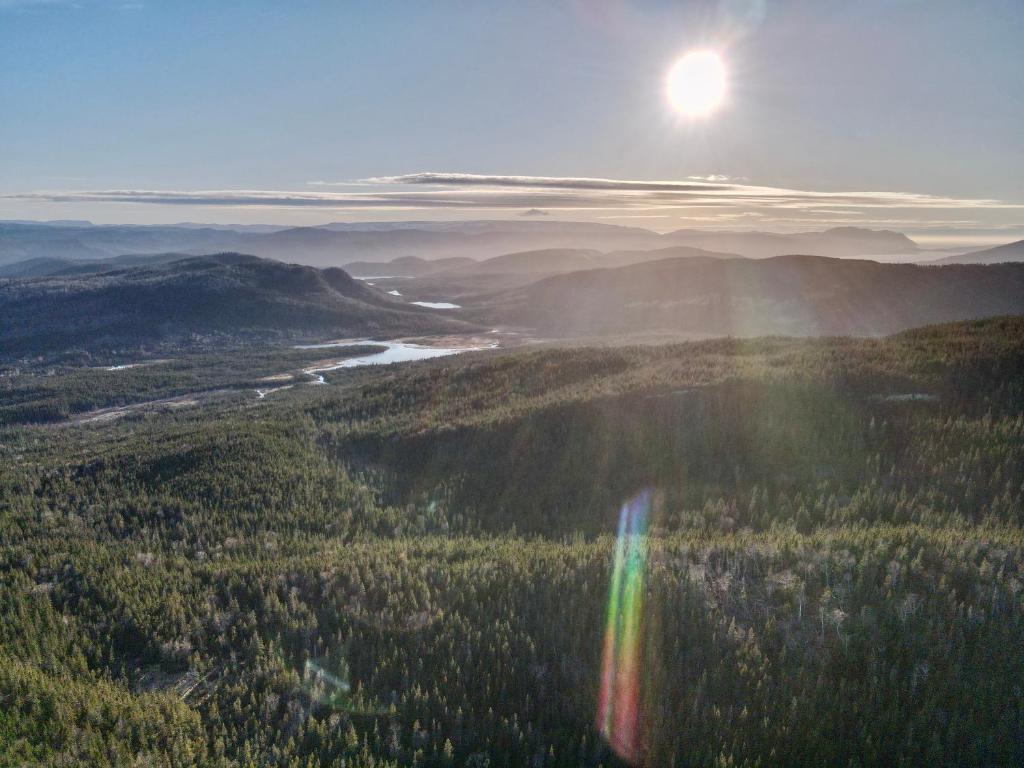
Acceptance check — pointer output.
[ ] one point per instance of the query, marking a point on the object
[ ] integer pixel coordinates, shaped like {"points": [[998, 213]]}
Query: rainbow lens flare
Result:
{"points": [[619, 711], [325, 687]]}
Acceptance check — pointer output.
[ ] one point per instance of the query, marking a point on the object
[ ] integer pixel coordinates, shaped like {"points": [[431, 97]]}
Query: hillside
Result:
{"points": [[469, 283], [838, 242], [223, 298], [418, 565], [406, 266], [556, 260], [541, 261], [44, 266], [797, 295], [998, 255], [20, 241], [625, 258]]}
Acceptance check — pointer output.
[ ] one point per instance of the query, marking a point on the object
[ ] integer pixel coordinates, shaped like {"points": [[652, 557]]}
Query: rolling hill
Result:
{"points": [[549, 261], [793, 295], [468, 282], [45, 266], [998, 255], [538, 261], [838, 242], [222, 299], [406, 266]]}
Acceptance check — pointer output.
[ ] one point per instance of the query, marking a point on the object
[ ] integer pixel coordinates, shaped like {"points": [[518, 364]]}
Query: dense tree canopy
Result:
{"points": [[411, 565]]}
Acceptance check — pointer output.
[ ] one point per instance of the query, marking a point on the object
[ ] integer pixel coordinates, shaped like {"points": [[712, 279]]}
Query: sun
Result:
{"points": [[696, 84]]}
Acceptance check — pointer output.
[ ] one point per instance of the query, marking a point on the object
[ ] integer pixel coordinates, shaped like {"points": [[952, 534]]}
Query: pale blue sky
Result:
{"points": [[874, 96]]}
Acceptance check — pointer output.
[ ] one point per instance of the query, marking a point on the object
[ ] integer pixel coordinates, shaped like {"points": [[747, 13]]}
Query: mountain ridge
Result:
{"points": [[334, 245]]}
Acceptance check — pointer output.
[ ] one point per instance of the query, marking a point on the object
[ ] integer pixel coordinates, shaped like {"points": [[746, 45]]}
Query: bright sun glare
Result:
{"points": [[696, 83]]}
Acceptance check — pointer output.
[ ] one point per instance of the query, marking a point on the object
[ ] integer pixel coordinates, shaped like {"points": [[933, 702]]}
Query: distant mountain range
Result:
{"points": [[792, 295], [337, 244], [224, 298]]}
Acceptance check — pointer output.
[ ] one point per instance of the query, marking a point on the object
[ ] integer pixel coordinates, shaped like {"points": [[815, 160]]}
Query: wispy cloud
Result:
{"points": [[712, 198], [541, 182], [687, 192]]}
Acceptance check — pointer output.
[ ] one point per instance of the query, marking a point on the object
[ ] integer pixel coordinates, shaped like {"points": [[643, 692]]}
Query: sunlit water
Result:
{"points": [[395, 352], [436, 304]]}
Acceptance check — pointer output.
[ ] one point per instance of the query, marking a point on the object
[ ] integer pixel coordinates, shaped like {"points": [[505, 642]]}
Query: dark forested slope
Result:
{"points": [[230, 297]]}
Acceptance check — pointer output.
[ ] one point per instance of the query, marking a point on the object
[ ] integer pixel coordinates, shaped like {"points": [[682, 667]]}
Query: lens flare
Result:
{"points": [[619, 711], [325, 687], [333, 691]]}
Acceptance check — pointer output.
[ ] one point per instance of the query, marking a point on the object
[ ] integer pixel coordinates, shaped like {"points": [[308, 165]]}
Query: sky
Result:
{"points": [[898, 114]]}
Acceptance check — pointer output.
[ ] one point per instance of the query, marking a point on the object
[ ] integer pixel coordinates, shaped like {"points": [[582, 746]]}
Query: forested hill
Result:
{"points": [[792, 295], [417, 565], [224, 298]]}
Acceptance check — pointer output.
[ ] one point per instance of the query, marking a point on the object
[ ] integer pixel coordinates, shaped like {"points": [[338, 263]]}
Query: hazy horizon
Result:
{"points": [[938, 241], [318, 119]]}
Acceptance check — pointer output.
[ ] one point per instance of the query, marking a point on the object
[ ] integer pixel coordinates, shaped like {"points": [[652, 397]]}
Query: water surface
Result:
{"points": [[395, 352], [436, 304]]}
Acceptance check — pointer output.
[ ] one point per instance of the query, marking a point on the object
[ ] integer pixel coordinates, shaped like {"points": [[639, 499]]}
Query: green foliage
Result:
{"points": [[34, 394], [409, 566]]}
